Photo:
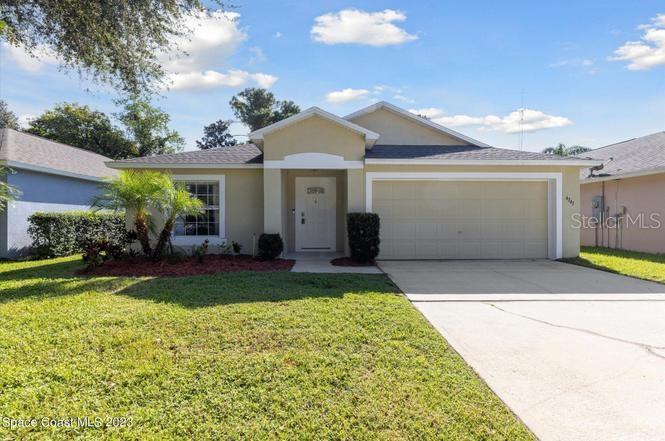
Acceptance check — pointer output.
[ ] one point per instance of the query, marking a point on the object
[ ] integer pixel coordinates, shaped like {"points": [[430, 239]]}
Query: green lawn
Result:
{"points": [[629, 263], [244, 355]]}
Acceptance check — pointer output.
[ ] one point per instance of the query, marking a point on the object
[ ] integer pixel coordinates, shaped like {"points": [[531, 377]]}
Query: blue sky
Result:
{"points": [[589, 73]]}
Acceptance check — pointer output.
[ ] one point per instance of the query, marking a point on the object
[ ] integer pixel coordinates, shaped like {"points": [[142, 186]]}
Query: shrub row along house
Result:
{"points": [[439, 193], [50, 176]]}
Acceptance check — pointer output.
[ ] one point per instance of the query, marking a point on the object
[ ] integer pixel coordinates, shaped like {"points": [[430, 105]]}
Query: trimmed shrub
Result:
{"points": [[71, 232], [363, 232], [270, 246], [96, 252]]}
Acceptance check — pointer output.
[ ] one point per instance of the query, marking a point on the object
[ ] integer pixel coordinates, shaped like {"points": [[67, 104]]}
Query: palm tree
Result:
{"points": [[177, 201], [8, 192], [562, 150], [136, 192]]}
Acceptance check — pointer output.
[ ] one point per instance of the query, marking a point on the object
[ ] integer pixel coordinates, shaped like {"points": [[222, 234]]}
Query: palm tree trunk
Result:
{"points": [[141, 225], [164, 237]]}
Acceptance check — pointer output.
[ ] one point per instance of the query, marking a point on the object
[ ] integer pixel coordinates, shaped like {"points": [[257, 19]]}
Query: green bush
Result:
{"points": [[270, 246], [70, 232], [363, 232]]}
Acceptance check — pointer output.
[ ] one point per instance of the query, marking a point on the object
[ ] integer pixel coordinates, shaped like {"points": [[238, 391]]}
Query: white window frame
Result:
{"points": [[554, 194], [197, 240]]}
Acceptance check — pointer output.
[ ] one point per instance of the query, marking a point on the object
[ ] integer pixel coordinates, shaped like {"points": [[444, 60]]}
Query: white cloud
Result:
{"points": [[533, 120], [211, 78], [585, 64], [346, 95], [257, 55], [404, 99], [648, 53], [24, 120], [41, 57], [278, 35], [428, 112], [360, 27], [264, 80], [214, 38]]}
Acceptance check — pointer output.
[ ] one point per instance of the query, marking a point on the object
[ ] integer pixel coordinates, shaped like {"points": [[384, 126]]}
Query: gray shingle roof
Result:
{"points": [[454, 152], [631, 156], [34, 151], [238, 154]]}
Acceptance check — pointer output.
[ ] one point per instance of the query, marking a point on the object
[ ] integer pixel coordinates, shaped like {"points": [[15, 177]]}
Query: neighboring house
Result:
{"points": [[439, 194], [51, 177], [630, 190]]}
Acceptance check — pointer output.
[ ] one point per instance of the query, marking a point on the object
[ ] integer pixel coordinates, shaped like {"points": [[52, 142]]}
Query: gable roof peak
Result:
{"points": [[370, 136], [415, 118]]}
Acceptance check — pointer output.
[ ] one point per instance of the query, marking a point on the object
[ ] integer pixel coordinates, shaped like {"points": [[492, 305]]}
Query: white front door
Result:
{"points": [[315, 215]]}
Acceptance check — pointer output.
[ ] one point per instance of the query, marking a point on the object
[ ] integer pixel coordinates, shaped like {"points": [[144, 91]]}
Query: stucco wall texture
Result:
{"points": [[642, 227], [39, 192]]}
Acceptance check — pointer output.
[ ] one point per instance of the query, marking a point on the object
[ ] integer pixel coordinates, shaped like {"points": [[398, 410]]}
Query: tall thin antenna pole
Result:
{"points": [[521, 142]]}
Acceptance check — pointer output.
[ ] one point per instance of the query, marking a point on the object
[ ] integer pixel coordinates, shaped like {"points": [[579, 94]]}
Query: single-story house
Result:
{"points": [[629, 192], [51, 177], [440, 194]]}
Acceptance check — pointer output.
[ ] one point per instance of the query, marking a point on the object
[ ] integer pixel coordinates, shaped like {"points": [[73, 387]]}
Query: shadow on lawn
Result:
{"points": [[247, 287], [52, 279]]}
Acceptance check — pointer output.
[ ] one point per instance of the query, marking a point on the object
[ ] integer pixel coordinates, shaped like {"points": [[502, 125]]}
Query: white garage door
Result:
{"points": [[461, 219]]}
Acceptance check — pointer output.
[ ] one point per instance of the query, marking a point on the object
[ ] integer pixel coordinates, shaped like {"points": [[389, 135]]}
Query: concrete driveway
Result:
{"points": [[577, 354]]}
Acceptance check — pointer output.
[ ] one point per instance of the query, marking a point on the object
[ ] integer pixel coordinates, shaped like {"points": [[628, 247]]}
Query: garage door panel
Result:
{"points": [[447, 230], [427, 209], [468, 210], [471, 228], [404, 208], [462, 220], [428, 249], [491, 249], [403, 230], [470, 248], [404, 190], [427, 230], [535, 248]]}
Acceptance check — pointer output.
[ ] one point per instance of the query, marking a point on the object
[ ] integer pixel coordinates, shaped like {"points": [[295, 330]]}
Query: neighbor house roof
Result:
{"points": [[30, 152], [413, 117], [370, 137], [634, 157], [461, 154], [241, 155]]}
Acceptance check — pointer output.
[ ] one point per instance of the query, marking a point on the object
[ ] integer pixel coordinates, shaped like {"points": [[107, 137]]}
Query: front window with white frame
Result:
{"points": [[192, 229]]}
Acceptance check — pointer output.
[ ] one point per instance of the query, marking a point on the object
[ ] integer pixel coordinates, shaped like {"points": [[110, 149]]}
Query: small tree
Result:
{"points": [[85, 128], [259, 108], [562, 150], [8, 119], [136, 192], [216, 135], [177, 201], [148, 127], [8, 192]]}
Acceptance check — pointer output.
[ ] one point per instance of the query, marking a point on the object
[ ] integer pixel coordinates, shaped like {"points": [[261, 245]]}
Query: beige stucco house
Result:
{"points": [[629, 191], [440, 194]]}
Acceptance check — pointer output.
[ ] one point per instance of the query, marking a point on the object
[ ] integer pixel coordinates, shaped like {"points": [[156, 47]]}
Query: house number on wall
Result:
{"points": [[570, 201]]}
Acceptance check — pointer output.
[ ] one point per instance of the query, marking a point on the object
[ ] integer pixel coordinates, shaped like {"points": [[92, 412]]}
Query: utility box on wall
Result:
{"points": [[597, 207]]}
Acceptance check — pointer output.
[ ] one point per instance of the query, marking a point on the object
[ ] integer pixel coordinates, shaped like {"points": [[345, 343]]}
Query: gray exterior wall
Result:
{"points": [[40, 192]]}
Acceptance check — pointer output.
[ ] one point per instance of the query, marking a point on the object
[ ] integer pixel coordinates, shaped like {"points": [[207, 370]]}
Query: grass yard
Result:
{"points": [[628, 263], [244, 355]]}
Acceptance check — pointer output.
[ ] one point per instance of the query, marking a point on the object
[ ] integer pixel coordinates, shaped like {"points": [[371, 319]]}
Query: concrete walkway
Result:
{"points": [[577, 354], [313, 262]]}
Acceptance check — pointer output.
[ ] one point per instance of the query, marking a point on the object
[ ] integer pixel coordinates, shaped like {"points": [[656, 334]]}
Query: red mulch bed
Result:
{"points": [[212, 263], [347, 261]]}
